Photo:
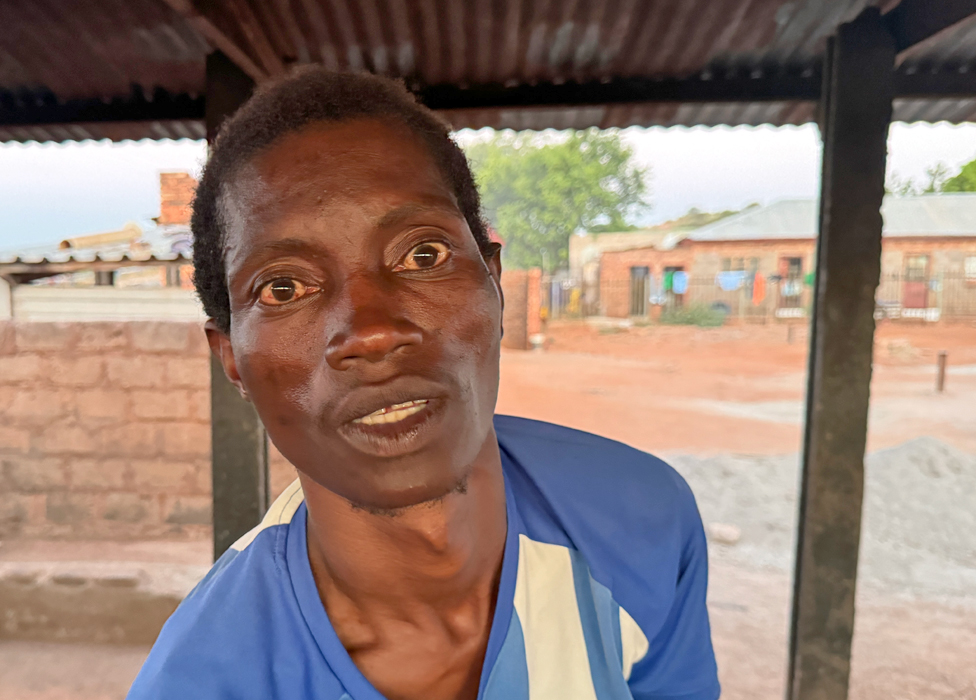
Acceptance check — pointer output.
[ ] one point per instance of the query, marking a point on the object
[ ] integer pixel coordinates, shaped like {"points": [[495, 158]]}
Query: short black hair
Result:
{"points": [[305, 96]]}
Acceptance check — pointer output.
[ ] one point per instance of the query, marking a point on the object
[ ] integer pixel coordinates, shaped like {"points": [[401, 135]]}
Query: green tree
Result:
{"points": [[537, 191], [938, 179], [964, 181]]}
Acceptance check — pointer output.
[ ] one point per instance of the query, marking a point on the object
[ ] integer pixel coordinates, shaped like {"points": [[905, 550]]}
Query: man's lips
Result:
{"points": [[387, 403], [397, 429], [393, 414]]}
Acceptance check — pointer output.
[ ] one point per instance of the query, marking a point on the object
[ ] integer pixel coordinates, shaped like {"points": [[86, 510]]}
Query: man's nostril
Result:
{"points": [[371, 344]]}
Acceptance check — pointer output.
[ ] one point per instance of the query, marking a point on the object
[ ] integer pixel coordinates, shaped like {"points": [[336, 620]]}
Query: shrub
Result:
{"points": [[694, 315]]}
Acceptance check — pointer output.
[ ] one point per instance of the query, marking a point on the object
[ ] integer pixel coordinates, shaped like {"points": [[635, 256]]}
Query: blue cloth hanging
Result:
{"points": [[730, 281], [679, 283]]}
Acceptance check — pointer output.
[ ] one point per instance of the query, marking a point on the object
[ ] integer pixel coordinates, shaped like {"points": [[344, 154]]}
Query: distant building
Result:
{"points": [[137, 272], [760, 262]]}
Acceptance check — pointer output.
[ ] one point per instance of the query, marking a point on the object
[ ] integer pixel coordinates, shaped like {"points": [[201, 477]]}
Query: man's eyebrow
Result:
{"points": [[407, 211], [290, 245]]}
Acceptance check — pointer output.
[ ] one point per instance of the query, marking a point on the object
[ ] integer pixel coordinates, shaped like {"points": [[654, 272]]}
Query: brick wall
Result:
{"points": [[515, 318], [534, 303], [176, 192], [105, 431]]}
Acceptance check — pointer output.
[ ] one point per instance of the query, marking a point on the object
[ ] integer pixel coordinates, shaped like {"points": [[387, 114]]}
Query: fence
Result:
{"points": [[751, 298]]}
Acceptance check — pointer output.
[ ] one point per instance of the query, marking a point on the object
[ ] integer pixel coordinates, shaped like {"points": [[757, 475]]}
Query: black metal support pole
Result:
{"points": [[855, 116], [240, 447], [940, 377]]}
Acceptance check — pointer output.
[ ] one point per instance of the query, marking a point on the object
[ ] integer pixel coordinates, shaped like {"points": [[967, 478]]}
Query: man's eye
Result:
{"points": [[425, 256], [283, 290]]}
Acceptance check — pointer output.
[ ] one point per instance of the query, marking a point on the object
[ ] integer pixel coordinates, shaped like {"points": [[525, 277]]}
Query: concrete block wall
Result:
{"points": [[523, 303], [105, 431], [515, 288]]}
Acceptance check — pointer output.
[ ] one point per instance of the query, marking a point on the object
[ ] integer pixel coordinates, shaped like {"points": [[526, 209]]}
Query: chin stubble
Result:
{"points": [[460, 487]]}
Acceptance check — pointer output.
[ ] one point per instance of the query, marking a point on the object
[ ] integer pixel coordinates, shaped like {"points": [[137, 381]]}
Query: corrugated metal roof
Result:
{"points": [[922, 216], [97, 48], [161, 243], [113, 131], [106, 49]]}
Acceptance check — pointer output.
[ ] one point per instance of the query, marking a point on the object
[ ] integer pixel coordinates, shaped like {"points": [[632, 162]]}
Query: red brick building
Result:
{"points": [[759, 263]]}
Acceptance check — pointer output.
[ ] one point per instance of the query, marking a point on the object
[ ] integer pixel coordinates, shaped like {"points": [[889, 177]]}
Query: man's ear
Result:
{"points": [[221, 348], [493, 258], [494, 261]]}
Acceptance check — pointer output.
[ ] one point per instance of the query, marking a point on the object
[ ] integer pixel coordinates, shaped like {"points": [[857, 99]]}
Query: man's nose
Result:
{"points": [[374, 329]]}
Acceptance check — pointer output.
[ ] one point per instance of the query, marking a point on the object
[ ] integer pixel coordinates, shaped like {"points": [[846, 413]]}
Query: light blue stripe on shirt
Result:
{"points": [[601, 629], [509, 679]]}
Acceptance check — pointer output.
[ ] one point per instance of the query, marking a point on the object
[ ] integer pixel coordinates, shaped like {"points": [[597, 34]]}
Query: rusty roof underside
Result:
{"points": [[130, 69]]}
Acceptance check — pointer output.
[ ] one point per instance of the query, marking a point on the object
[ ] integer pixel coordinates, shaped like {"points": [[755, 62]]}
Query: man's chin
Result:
{"points": [[395, 504]]}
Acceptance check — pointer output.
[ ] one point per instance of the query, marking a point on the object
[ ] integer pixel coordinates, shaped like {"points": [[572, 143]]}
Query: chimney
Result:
{"points": [[175, 197]]}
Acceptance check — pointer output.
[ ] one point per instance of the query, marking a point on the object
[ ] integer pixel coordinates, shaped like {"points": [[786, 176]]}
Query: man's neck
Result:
{"points": [[435, 555]]}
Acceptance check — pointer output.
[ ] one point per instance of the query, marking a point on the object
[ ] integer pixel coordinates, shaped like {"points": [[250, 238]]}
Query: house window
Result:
{"points": [[917, 268], [733, 264], [969, 268]]}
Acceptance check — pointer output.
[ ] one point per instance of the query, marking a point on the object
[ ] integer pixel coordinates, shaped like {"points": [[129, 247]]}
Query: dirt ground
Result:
{"points": [[738, 389], [690, 391]]}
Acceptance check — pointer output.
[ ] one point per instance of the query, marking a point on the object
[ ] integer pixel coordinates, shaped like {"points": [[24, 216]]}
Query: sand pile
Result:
{"points": [[919, 526]]}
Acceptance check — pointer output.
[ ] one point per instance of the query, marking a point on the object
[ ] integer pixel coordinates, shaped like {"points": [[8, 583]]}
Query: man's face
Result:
{"points": [[365, 323]]}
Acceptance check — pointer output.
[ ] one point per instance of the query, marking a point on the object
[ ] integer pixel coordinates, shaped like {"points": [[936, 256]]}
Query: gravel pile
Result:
{"points": [[918, 533]]}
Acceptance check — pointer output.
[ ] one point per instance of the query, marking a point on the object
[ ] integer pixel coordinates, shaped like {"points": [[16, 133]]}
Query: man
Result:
{"points": [[429, 550]]}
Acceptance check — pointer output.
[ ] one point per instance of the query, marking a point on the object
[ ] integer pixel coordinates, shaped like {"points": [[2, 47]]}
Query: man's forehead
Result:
{"points": [[333, 164]]}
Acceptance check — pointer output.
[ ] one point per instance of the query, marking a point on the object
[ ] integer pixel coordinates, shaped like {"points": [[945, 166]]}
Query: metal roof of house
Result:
{"points": [[135, 69], [160, 243], [934, 215]]}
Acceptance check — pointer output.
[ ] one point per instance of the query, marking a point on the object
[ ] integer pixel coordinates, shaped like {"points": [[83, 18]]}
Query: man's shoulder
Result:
{"points": [[238, 632], [595, 466]]}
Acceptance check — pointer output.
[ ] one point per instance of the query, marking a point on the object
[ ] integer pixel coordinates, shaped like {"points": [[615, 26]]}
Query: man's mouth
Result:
{"points": [[393, 414]]}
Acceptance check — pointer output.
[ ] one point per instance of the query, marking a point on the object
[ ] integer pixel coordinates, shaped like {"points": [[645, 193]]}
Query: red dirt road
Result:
{"points": [[738, 389]]}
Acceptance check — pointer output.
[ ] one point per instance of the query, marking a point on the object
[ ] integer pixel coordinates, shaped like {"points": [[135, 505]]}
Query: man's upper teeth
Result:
{"points": [[394, 413]]}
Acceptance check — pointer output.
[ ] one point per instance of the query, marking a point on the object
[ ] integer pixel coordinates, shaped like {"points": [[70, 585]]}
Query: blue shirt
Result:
{"points": [[602, 592]]}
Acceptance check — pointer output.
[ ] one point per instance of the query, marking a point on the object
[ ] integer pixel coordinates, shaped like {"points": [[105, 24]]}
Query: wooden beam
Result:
{"points": [[769, 88], [913, 21], [42, 107], [858, 94], [239, 460], [218, 38], [252, 29]]}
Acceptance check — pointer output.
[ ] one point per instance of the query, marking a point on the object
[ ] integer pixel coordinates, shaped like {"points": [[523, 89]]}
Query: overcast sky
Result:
{"points": [[52, 191]]}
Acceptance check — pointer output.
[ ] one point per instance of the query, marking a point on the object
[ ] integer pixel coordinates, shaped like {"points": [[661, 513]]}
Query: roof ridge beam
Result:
{"points": [[217, 37], [914, 21]]}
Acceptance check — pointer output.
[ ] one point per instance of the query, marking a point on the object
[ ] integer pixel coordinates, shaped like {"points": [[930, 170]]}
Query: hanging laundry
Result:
{"points": [[758, 289], [730, 281], [656, 287], [668, 280], [809, 279], [791, 288], [679, 282]]}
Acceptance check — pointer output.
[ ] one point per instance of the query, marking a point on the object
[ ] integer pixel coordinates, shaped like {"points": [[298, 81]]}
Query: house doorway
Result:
{"points": [[791, 283], [639, 289], [915, 293]]}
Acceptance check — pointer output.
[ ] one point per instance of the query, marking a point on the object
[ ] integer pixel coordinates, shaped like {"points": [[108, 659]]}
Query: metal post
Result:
{"points": [[940, 379], [240, 447], [858, 93]]}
